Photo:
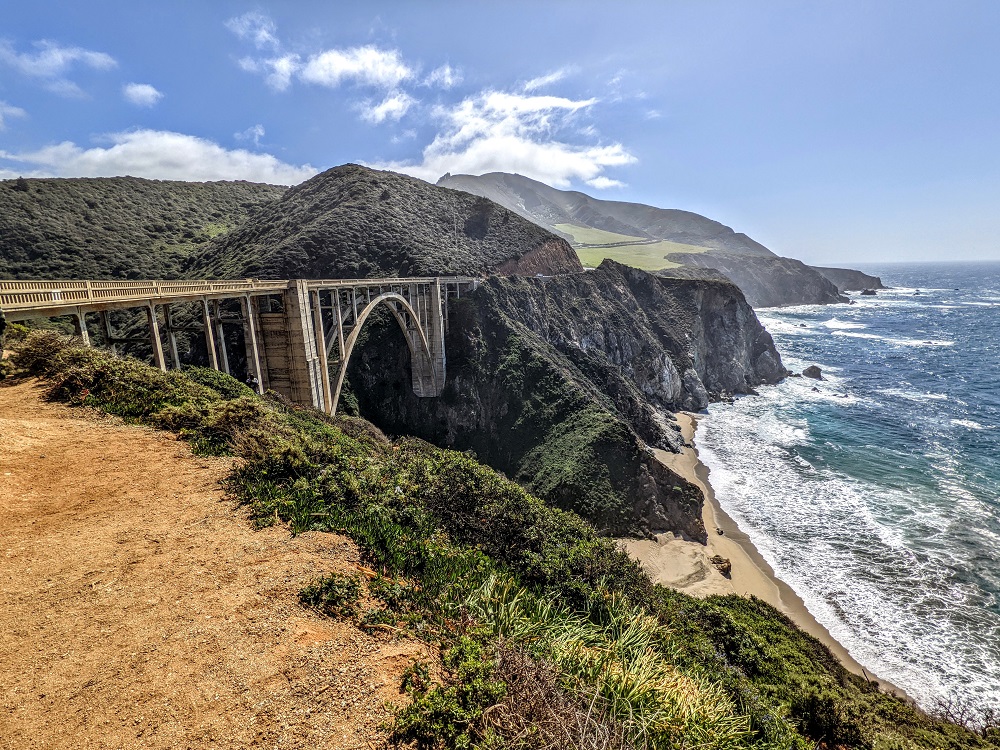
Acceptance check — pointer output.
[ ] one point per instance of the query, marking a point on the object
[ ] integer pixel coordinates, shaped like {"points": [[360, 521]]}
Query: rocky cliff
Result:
{"points": [[849, 280], [563, 382], [769, 282]]}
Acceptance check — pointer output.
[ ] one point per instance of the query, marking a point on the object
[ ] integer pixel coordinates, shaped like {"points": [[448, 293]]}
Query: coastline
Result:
{"points": [[686, 566]]}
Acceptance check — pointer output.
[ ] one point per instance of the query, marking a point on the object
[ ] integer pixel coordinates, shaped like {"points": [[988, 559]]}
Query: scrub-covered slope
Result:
{"points": [[355, 222], [115, 227]]}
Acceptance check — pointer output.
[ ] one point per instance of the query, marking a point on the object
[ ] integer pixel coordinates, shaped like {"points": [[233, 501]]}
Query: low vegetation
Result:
{"points": [[550, 636], [355, 222], [116, 227]]}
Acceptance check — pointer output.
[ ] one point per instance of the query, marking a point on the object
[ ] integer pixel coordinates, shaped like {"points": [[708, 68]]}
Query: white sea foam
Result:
{"points": [[846, 546], [913, 395], [969, 423], [895, 341], [838, 324]]}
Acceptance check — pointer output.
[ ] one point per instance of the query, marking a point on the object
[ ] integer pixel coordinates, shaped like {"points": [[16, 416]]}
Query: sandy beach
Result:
{"points": [[686, 566]]}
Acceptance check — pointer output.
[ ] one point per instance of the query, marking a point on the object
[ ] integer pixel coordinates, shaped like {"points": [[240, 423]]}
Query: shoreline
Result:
{"points": [[686, 566]]}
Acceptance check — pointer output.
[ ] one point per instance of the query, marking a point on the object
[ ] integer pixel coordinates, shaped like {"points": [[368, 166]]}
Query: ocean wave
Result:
{"points": [[970, 424], [895, 341], [876, 564], [913, 395], [838, 324]]}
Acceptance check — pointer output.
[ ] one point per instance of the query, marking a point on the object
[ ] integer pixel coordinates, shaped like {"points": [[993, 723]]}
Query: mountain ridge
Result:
{"points": [[654, 238]]}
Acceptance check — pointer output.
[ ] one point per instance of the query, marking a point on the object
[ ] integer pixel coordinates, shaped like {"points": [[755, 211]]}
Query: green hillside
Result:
{"points": [[354, 222], [116, 227]]}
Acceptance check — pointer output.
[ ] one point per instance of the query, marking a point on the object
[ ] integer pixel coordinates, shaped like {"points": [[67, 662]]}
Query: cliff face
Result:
{"points": [[562, 383], [769, 282], [849, 280]]}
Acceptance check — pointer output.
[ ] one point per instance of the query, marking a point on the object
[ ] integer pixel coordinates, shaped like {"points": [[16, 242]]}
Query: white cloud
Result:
{"points": [[603, 183], [253, 133], [278, 70], [160, 155], [256, 27], [51, 63], [9, 110], [445, 77], [141, 94], [497, 131], [393, 107], [365, 65], [548, 79]]}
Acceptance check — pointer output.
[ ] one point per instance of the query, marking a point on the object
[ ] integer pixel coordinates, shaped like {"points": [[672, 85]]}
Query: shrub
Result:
{"points": [[335, 595]]}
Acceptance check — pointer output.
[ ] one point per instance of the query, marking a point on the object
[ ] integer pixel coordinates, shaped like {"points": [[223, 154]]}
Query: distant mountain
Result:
{"points": [[355, 222], [116, 227], [653, 238]]}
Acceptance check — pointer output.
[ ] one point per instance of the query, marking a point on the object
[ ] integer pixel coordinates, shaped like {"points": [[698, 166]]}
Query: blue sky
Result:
{"points": [[833, 132]]}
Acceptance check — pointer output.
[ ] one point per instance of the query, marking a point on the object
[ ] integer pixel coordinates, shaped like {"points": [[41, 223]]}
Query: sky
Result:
{"points": [[833, 132]]}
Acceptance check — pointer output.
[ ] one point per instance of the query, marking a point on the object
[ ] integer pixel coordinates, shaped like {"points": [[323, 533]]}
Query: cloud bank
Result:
{"points": [[503, 132], [158, 155]]}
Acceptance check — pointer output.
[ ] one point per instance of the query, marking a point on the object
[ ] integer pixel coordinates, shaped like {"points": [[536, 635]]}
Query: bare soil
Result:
{"points": [[139, 609]]}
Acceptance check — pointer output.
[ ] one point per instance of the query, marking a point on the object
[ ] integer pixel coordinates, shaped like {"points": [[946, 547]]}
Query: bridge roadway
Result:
{"points": [[295, 332]]}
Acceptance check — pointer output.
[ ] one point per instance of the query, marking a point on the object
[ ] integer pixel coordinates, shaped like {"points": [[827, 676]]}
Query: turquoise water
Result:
{"points": [[875, 493]]}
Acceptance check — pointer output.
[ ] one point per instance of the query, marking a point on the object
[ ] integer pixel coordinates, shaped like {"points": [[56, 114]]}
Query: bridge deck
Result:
{"points": [[27, 299]]}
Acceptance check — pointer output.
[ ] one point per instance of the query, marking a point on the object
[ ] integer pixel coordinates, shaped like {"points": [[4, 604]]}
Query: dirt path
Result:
{"points": [[138, 608]]}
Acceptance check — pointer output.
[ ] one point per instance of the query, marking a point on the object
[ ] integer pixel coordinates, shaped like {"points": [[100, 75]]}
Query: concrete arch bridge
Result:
{"points": [[298, 334]]}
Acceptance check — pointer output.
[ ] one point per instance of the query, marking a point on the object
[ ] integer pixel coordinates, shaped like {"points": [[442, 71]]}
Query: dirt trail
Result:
{"points": [[139, 609]]}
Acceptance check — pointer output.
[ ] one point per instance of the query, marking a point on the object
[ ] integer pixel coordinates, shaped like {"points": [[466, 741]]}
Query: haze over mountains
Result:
{"points": [[660, 239]]}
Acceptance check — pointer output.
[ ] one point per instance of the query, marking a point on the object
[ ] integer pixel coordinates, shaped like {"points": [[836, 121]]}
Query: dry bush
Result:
{"points": [[536, 713]]}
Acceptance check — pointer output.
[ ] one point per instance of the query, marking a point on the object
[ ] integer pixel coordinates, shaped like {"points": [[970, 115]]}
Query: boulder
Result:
{"points": [[868, 293], [723, 564], [813, 371]]}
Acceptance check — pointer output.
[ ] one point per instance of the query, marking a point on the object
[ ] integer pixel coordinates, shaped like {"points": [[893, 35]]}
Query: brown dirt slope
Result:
{"points": [[139, 609]]}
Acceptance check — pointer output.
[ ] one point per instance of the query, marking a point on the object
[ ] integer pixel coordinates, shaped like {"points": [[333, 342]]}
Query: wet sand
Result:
{"points": [[686, 565]]}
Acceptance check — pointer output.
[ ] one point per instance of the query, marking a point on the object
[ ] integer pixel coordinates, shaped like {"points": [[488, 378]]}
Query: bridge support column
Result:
{"points": [[428, 370], [109, 337], [206, 319], [154, 334], [319, 337], [80, 326], [304, 371], [253, 347], [220, 336], [168, 319]]}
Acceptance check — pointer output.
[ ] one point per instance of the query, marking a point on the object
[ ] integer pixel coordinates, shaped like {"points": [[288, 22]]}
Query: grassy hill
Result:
{"points": [[354, 222], [116, 227]]}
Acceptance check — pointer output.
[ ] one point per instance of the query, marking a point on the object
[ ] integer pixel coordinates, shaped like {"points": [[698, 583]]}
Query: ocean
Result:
{"points": [[875, 493]]}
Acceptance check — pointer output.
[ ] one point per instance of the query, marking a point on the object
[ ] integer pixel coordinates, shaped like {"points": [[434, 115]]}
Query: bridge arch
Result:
{"points": [[421, 358]]}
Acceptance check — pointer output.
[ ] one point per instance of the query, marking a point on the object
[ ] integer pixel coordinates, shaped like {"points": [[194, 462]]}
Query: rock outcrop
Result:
{"points": [[563, 382], [769, 281], [849, 280]]}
